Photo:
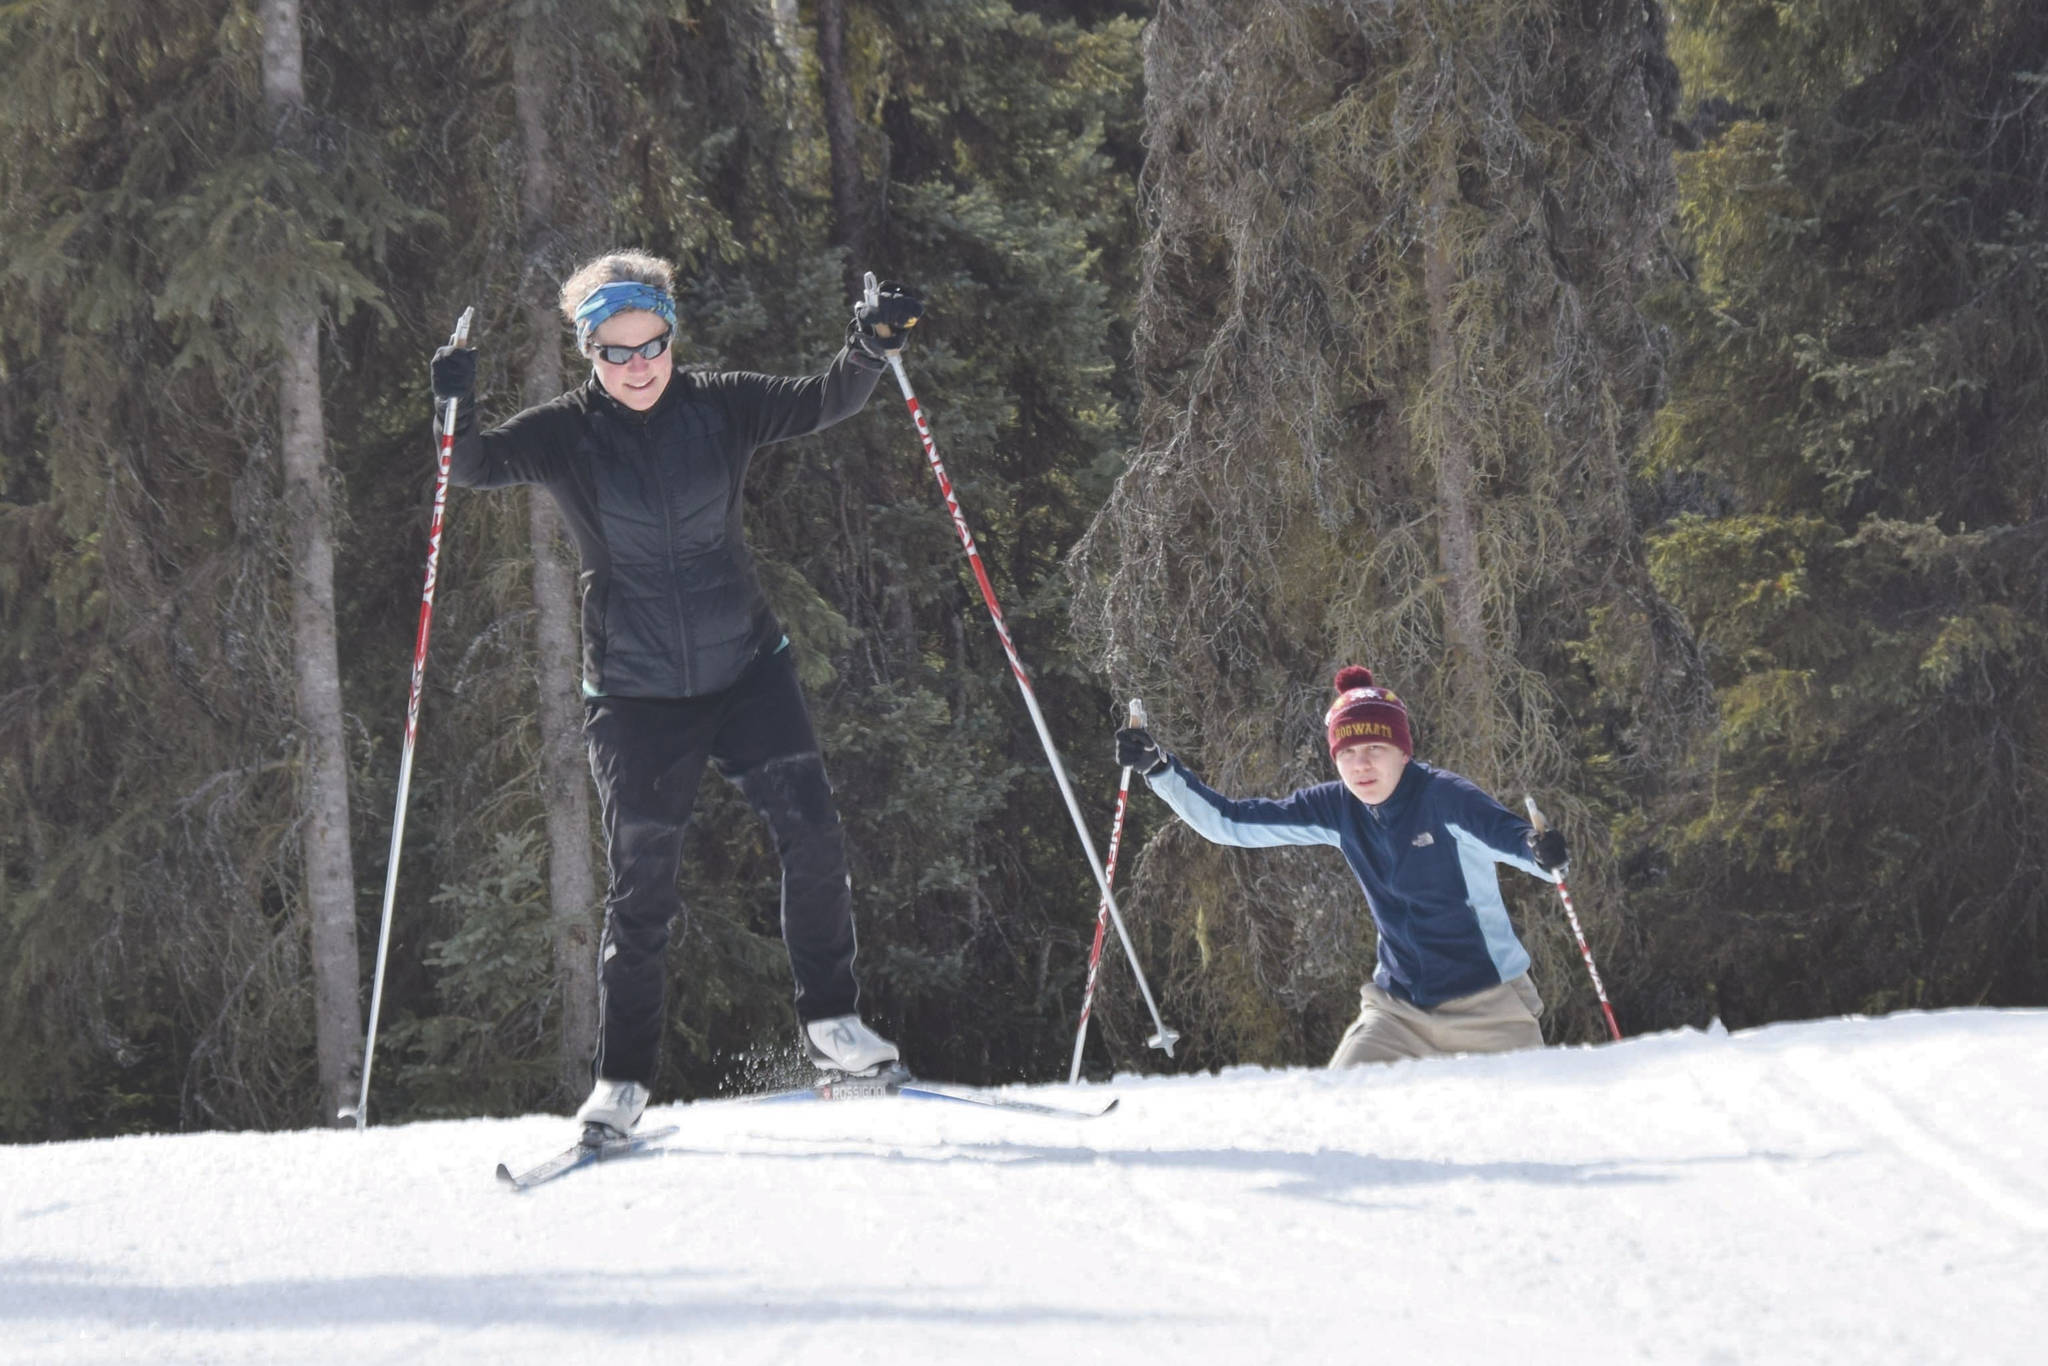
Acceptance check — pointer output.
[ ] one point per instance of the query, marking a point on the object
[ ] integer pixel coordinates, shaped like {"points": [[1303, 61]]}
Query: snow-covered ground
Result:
{"points": [[1842, 1191]]}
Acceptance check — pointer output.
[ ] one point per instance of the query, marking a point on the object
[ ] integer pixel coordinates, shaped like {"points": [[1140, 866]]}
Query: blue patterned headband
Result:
{"points": [[618, 297]]}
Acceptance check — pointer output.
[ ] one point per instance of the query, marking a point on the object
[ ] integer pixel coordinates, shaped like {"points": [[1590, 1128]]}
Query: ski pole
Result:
{"points": [[360, 1111], [1165, 1038], [1564, 894], [1116, 835]]}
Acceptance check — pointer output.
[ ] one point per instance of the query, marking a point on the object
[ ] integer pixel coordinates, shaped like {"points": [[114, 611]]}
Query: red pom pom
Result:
{"points": [[1353, 676]]}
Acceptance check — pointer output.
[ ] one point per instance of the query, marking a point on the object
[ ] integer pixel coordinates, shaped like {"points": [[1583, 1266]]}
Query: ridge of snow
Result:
{"points": [[1847, 1190]]}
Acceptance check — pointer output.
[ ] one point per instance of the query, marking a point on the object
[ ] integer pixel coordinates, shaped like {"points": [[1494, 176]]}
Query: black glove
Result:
{"points": [[880, 328], [454, 372], [1549, 850], [1135, 748]]}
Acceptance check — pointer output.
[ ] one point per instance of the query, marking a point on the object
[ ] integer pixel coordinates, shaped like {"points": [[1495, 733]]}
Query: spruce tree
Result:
{"points": [[1395, 367], [493, 1003], [156, 232], [995, 191], [1852, 458]]}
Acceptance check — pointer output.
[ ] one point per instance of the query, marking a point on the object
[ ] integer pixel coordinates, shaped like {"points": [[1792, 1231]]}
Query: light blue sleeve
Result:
{"points": [[1478, 822], [1255, 822], [1482, 893]]}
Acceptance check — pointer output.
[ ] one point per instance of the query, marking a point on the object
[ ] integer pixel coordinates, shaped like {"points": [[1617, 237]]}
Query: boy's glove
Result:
{"points": [[1549, 850], [880, 328], [1135, 748]]}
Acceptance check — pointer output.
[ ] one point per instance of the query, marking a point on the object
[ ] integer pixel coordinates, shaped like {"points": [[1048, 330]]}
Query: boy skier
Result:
{"points": [[1423, 842]]}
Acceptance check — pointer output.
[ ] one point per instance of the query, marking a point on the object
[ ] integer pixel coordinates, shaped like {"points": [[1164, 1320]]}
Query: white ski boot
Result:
{"points": [[613, 1109], [844, 1046]]}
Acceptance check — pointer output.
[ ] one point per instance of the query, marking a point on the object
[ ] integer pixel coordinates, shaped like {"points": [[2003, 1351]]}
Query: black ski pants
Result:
{"points": [[648, 756]]}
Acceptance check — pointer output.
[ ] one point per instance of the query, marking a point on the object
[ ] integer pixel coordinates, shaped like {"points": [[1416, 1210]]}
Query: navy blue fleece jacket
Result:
{"points": [[1425, 857]]}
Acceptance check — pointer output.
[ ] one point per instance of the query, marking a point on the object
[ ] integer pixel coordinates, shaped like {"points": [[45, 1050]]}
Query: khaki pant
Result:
{"points": [[1496, 1020]]}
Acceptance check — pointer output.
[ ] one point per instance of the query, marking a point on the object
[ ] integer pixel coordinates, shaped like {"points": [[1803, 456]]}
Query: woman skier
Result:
{"points": [[683, 661]]}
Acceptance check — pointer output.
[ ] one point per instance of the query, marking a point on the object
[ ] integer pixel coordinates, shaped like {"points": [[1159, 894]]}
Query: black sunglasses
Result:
{"points": [[619, 355]]}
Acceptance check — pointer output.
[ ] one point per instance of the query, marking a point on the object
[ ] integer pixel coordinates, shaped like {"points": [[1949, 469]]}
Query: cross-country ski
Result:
{"points": [[912, 1088], [581, 1154], [586, 1152]]}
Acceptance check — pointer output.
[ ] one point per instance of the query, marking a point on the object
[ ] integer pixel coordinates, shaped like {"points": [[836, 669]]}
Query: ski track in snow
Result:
{"points": [[1866, 1191], [1875, 1106]]}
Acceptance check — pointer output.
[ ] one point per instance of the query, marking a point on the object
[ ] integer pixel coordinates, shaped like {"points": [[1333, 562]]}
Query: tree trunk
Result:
{"points": [[1464, 622], [841, 137], [565, 794], [329, 878]]}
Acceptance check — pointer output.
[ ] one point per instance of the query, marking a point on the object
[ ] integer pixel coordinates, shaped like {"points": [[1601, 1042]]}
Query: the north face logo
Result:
{"points": [[1424, 840]]}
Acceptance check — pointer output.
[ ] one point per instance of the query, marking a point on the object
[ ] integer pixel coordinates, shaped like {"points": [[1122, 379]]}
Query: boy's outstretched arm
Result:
{"points": [[1253, 823]]}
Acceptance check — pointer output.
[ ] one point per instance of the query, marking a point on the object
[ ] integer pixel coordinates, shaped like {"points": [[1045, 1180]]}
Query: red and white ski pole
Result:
{"points": [[1116, 837], [1564, 894], [360, 1111], [1165, 1038]]}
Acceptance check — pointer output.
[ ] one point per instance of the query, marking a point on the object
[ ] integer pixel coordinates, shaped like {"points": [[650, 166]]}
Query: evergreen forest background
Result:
{"points": [[1653, 395]]}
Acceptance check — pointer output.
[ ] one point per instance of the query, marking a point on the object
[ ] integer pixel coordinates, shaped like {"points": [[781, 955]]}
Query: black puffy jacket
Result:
{"points": [[672, 606]]}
